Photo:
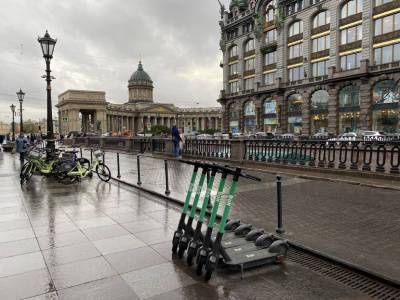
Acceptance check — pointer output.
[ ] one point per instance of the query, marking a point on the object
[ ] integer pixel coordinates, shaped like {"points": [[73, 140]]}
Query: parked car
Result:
{"points": [[204, 136], [321, 135], [287, 136], [142, 134], [237, 135], [264, 135], [73, 134], [373, 136]]}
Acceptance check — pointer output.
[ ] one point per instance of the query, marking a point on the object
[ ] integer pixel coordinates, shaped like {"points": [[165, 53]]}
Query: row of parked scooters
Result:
{"points": [[229, 243]]}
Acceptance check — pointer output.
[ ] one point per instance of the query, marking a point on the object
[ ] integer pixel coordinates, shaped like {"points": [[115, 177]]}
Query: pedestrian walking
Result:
{"points": [[176, 138], [1, 141], [181, 143], [21, 145]]}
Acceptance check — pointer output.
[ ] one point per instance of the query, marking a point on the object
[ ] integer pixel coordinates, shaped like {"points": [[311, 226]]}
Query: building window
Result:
{"points": [[270, 58], [295, 120], [296, 28], [349, 96], [387, 24], [248, 27], [349, 110], [296, 73], [381, 2], [320, 68], [296, 51], [270, 115], [352, 7], [249, 109], [234, 87], [249, 46], [321, 43], [233, 51], [321, 19], [350, 35], [249, 64], [233, 69], [270, 36], [387, 54], [351, 61], [232, 34], [385, 114], [270, 15], [269, 78], [249, 83], [319, 114], [294, 7]]}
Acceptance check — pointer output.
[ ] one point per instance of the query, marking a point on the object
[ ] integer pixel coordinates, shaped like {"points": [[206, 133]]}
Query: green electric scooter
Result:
{"points": [[188, 229], [179, 231], [198, 236]]}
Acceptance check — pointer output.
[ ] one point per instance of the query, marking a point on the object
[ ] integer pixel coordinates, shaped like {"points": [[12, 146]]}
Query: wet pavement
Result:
{"points": [[95, 240], [355, 223]]}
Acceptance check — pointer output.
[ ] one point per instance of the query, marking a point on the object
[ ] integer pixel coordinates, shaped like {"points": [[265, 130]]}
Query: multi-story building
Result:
{"points": [[308, 66], [88, 111]]}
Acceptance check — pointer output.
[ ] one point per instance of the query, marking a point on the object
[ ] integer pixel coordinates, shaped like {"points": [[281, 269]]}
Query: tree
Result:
{"points": [[159, 129]]}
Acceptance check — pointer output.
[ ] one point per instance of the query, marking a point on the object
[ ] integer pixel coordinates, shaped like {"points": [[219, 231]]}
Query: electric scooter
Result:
{"points": [[179, 231]]}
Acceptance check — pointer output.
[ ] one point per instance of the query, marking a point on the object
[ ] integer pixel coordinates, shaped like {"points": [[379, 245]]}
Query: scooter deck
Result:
{"points": [[251, 259], [235, 242], [242, 248]]}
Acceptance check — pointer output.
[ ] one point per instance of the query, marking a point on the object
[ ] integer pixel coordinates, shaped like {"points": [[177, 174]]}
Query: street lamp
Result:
{"points": [[47, 44], [21, 96], [12, 106]]}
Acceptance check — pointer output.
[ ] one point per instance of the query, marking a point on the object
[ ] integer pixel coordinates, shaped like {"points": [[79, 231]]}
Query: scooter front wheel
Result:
{"points": [[181, 251], [208, 275], [200, 264], [190, 255]]}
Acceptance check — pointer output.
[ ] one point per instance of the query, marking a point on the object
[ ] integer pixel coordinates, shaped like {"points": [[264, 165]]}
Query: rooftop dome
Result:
{"points": [[140, 74]]}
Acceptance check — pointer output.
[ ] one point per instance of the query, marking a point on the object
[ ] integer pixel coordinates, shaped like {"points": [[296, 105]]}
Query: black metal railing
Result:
{"points": [[355, 155], [208, 148]]}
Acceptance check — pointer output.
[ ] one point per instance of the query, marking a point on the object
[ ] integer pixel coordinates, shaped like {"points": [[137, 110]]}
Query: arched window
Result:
{"points": [[295, 103], [269, 14], [296, 28], [321, 19], [349, 96], [233, 51], [385, 91], [351, 7], [269, 106], [319, 100], [249, 109], [249, 46]]}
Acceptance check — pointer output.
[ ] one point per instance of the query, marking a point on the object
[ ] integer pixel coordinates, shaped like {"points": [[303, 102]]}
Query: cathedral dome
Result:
{"points": [[140, 74]]}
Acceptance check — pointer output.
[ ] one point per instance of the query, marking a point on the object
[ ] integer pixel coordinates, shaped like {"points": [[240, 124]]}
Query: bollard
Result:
{"points": [[167, 191], [104, 158], [209, 205], [118, 168], [138, 169], [279, 229], [80, 150], [91, 156]]}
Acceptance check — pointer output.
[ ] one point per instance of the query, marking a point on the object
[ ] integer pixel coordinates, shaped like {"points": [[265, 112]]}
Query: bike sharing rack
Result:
{"points": [[231, 244]]}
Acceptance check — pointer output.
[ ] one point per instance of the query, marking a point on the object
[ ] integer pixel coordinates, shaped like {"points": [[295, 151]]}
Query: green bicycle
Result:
{"points": [[36, 165], [78, 168]]}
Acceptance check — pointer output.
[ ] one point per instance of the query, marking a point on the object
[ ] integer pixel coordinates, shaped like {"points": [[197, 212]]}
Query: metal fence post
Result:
{"points": [[80, 150], [279, 229], [118, 167], [104, 157], [138, 169], [91, 156], [167, 191]]}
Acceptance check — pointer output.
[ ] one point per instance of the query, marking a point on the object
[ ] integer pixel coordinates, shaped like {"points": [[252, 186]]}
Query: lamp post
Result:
{"points": [[12, 106], [47, 44], [21, 96]]}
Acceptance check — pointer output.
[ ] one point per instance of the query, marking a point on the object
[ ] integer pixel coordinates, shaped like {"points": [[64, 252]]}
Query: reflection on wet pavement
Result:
{"points": [[95, 240]]}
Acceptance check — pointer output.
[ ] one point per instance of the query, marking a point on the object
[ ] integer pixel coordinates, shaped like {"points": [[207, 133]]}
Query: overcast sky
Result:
{"points": [[99, 45]]}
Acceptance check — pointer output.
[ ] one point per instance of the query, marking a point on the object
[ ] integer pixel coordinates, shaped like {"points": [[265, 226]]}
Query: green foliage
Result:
{"points": [[208, 131], [159, 129]]}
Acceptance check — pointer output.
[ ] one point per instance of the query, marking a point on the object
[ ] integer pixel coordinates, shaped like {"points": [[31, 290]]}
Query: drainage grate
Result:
{"points": [[372, 287]]}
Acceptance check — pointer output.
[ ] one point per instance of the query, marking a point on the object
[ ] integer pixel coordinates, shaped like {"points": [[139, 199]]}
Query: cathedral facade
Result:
{"points": [[89, 111]]}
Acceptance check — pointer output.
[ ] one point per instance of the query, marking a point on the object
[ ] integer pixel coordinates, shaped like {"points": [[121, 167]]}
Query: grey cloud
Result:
{"points": [[99, 44]]}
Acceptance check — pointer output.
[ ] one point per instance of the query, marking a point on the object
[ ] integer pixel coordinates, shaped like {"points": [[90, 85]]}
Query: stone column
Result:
{"points": [[281, 103], [333, 110], [365, 105], [306, 125]]}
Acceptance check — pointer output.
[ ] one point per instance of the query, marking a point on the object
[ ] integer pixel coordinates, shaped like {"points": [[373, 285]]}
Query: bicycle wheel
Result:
{"points": [[103, 172], [26, 172], [62, 173]]}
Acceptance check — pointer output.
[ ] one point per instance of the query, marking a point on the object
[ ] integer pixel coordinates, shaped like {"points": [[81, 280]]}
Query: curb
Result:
{"points": [[344, 263]]}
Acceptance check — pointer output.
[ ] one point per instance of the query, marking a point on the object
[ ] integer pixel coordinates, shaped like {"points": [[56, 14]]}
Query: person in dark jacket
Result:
{"points": [[176, 138], [21, 145]]}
